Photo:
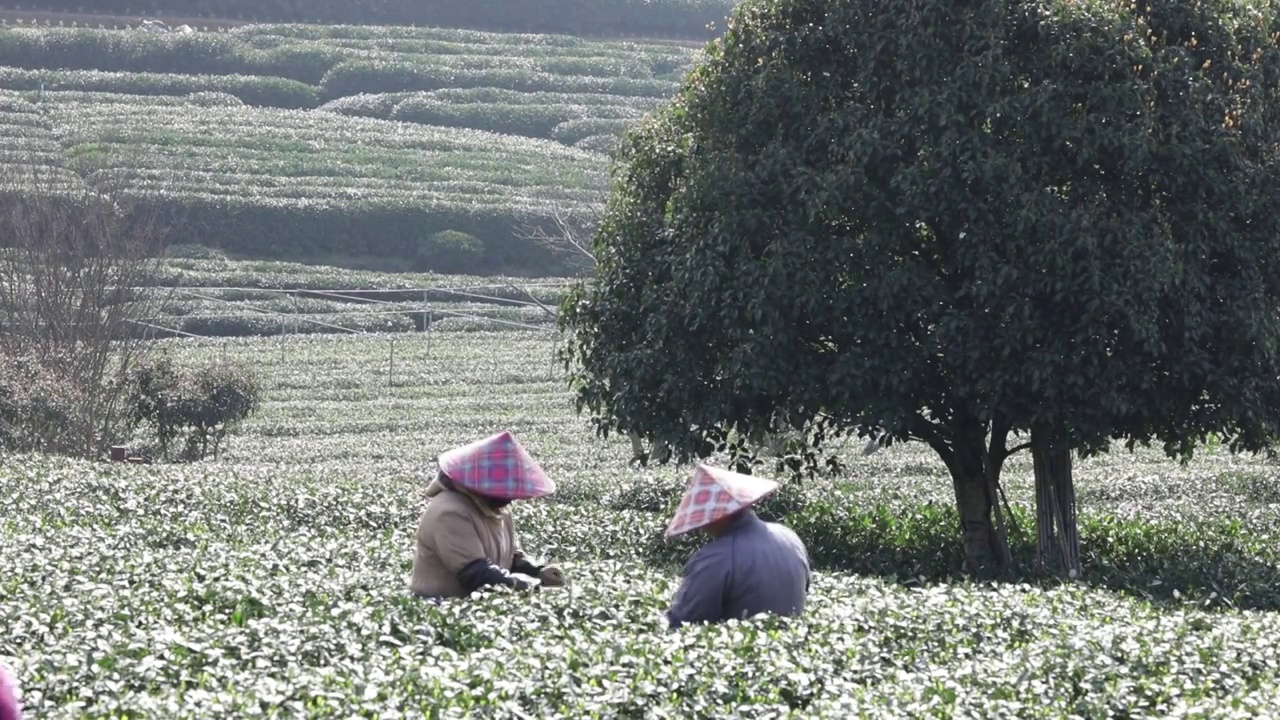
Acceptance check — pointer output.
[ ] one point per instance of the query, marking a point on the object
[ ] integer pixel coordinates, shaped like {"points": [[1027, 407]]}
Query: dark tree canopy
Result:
{"points": [[951, 220]]}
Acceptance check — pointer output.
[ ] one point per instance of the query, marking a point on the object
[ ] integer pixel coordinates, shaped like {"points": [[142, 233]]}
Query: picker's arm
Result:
{"points": [[462, 553]]}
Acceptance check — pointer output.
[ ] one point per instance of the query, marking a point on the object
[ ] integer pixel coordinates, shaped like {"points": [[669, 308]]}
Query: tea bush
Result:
{"points": [[272, 582], [200, 405], [38, 406], [231, 137], [256, 90], [661, 18], [450, 251]]}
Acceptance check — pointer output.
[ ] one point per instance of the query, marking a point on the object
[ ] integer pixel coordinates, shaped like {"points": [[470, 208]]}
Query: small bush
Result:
{"points": [[38, 407], [202, 405], [216, 399], [451, 251], [194, 252]]}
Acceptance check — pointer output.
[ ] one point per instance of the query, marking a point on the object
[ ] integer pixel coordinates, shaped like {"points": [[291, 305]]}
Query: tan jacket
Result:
{"points": [[458, 528]]}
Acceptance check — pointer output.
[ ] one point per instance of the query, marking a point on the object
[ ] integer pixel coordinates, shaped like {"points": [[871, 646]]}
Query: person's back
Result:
{"points": [[769, 569], [751, 567]]}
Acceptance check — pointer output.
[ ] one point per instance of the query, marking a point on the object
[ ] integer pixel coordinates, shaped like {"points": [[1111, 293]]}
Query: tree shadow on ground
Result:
{"points": [[1213, 565]]}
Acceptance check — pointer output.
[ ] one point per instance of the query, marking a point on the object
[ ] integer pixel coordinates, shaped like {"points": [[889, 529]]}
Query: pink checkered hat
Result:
{"points": [[10, 708], [713, 494], [497, 467]]}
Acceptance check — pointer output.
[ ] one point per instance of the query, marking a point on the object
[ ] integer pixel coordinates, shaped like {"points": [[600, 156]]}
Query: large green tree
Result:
{"points": [[958, 222]]}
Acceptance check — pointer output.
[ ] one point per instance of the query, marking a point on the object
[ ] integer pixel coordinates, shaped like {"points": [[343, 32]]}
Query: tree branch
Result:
{"points": [[1017, 449], [555, 314]]}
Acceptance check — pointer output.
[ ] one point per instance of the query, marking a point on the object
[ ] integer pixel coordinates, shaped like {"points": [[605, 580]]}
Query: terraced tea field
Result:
{"points": [[271, 583], [299, 142], [225, 298]]}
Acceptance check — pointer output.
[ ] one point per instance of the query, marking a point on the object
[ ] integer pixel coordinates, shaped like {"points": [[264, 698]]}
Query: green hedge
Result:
{"points": [[254, 324], [653, 18], [598, 143], [382, 76], [197, 54], [532, 114], [572, 131], [529, 120], [252, 90], [294, 231], [370, 105]]}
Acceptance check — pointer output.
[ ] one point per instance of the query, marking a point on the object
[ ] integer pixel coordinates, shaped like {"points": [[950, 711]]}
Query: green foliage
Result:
{"points": [[39, 407], [133, 52], [371, 105], [270, 183], [240, 175], [201, 405], [140, 590], [194, 252], [253, 90], [529, 120], [532, 114], [357, 76], [573, 131], [214, 99], [450, 251], [653, 18], [951, 222], [606, 144]]}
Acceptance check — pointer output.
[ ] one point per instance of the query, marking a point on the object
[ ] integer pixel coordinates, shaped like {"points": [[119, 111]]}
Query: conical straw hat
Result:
{"points": [[10, 708], [497, 467], [715, 493]]}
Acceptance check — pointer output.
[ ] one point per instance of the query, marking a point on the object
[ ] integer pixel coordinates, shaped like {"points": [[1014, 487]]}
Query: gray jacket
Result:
{"points": [[754, 567]]}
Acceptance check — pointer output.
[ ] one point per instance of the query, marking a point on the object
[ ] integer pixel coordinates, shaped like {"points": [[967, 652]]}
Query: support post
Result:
{"points": [[391, 365]]}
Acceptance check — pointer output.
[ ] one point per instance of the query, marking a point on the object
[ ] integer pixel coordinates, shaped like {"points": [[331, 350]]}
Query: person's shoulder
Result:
{"points": [[784, 532], [449, 502], [711, 552]]}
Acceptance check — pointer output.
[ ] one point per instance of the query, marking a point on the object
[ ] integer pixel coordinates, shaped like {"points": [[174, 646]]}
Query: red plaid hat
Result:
{"points": [[713, 494], [10, 708], [497, 467]]}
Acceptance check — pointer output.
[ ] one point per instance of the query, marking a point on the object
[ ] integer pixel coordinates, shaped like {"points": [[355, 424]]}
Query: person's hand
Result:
{"points": [[524, 582], [551, 576]]}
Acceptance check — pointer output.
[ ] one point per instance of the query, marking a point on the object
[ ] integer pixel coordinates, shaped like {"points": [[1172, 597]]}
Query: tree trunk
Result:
{"points": [[1057, 542], [982, 524]]}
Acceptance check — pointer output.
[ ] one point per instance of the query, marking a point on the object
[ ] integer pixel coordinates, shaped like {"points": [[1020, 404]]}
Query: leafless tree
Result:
{"points": [[73, 257], [566, 231]]}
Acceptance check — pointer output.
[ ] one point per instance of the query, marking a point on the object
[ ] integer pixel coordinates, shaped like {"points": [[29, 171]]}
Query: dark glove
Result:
{"points": [[524, 567], [481, 573]]}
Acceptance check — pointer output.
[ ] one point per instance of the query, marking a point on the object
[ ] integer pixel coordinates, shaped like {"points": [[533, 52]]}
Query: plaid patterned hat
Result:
{"points": [[497, 467], [713, 494], [10, 708]]}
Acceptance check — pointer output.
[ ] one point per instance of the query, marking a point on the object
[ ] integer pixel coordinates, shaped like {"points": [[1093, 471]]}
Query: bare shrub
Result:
{"points": [[73, 260]]}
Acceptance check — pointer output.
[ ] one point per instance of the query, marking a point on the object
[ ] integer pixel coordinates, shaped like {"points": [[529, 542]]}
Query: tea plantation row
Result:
{"points": [[271, 583], [215, 297], [658, 18], [351, 145], [271, 183], [302, 66]]}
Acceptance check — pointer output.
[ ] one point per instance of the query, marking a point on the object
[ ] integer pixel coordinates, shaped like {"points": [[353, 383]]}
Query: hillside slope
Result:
{"points": [[348, 144], [598, 18]]}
